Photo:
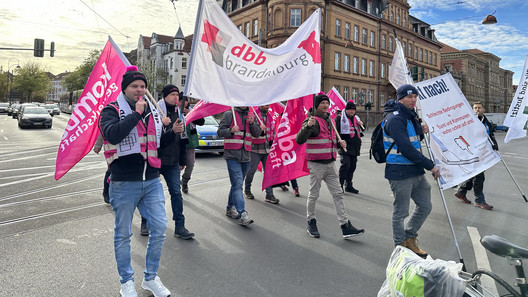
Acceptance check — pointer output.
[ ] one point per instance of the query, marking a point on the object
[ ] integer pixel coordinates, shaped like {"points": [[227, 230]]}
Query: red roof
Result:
{"points": [[446, 49]]}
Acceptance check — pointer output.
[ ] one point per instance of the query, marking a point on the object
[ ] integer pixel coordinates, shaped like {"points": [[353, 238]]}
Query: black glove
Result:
{"points": [[495, 147]]}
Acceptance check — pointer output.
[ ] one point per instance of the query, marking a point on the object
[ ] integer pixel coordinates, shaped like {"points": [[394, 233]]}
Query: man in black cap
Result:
{"points": [[349, 128], [321, 152], [405, 169], [173, 157], [132, 128]]}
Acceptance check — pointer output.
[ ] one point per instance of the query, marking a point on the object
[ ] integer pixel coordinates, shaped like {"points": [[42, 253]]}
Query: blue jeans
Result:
{"points": [[419, 190], [171, 174], [148, 197], [237, 172], [255, 160]]}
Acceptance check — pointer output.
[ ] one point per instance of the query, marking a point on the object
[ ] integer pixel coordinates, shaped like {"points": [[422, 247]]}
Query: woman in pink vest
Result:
{"points": [[321, 151]]}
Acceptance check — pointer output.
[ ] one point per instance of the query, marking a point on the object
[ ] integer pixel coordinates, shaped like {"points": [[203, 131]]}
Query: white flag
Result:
{"points": [[227, 68], [517, 116], [399, 72], [459, 141]]}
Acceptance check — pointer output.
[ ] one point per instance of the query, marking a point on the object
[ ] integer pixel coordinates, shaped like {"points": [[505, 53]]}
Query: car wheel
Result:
{"points": [[221, 153]]}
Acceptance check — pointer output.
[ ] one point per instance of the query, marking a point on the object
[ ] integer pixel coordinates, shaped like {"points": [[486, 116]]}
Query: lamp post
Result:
{"points": [[9, 77]]}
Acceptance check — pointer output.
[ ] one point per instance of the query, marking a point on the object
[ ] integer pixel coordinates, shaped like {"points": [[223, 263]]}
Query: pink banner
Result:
{"points": [[103, 86], [337, 102], [203, 109], [286, 159]]}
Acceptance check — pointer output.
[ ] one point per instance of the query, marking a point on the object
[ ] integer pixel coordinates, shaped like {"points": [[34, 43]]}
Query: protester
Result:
{"points": [[349, 128], [131, 128], [260, 149], [106, 182], [237, 132], [192, 136], [477, 182], [173, 157], [321, 147], [405, 168]]}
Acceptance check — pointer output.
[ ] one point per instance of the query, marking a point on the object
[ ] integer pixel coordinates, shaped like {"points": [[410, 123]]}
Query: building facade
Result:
{"points": [[479, 77], [357, 41], [164, 59]]}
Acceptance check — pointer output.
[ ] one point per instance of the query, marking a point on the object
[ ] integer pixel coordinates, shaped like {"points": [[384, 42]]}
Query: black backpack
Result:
{"points": [[377, 149]]}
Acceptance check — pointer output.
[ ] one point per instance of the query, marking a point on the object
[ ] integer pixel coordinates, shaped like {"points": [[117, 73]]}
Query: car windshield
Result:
{"points": [[210, 121], [50, 106], [35, 110], [4, 104]]}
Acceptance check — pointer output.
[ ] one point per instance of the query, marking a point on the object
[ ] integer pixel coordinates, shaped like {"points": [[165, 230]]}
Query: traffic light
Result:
{"points": [[38, 49], [52, 49]]}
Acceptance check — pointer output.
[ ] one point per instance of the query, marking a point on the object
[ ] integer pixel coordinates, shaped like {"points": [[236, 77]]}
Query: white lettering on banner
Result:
{"points": [[285, 142], [88, 105]]}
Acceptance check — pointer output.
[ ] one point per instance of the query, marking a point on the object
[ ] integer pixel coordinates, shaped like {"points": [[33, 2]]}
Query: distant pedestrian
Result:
{"points": [[237, 131], [321, 151], [131, 128], [192, 144]]}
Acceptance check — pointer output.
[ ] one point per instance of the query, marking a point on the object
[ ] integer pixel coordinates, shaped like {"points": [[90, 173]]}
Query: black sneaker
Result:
{"points": [[249, 195], [312, 228], [183, 233], [349, 230], [351, 190], [144, 229], [185, 188]]}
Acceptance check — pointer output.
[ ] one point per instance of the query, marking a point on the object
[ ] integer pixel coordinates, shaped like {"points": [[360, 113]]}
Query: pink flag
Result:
{"points": [[337, 102], [103, 86], [203, 109], [286, 159], [276, 110]]}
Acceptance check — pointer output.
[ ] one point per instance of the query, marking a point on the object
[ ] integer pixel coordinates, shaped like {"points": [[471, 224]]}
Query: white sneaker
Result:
{"points": [[128, 289], [156, 287], [244, 219], [232, 213]]}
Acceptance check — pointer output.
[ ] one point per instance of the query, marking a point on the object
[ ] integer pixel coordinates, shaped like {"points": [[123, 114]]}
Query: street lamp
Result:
{"points": [[9, 77]]}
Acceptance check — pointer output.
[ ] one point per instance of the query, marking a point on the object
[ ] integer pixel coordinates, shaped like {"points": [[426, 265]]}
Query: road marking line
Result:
{"points": [[482, 260]]}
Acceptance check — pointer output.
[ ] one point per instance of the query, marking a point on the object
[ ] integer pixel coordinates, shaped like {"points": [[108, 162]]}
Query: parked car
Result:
{"points": [[34, 116], [14, 110], [53, 109], [208, 140], [3, 107]]}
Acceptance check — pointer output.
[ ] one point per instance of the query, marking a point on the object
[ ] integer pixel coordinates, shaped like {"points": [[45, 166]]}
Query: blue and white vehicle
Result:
{"points": [[208, 140]]}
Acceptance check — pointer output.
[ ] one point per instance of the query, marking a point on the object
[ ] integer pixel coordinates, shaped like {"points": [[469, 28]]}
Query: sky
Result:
{"points": [[80, 26]]}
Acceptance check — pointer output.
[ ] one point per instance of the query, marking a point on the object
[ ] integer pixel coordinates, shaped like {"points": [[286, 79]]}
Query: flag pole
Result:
{"points": [[337, 133], [154, 102], [258, 118], [234, 116]]}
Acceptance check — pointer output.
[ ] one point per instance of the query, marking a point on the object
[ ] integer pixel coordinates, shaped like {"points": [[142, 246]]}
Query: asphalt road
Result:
{"points": [[57, 236]]}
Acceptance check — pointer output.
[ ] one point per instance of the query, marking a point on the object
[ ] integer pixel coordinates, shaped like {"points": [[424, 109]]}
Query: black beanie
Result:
{"points": [[319, 98], [132, 74], [350, 105], [405, 90], [169, 89]]}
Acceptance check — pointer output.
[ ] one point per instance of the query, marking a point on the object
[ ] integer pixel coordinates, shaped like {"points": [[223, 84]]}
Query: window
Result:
{"points": [[403, 47], [347, 31], [239, 27], [421, 55], [171, 63], [354, 95], [338, 27], [371, 68], [398, 19], [391, 18], [430, 58], [372, 38], [364, 36], [382, 99], [434, 59], [410, 51], [184, 63], [183, 78], [346, 66], [255, 27], [369, 7], [363, 67], [345, 93], [382, 70], [247, 29], [404, 22], [370, 95], [390, 44], [415, 53], [383, 41], [337, 88], [355, 65], [356, 33], [337, 61], [295, 17]]}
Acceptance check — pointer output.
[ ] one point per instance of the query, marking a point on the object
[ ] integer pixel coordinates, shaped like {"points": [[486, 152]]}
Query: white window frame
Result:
{"points": [[295, 17], [337, 61]]}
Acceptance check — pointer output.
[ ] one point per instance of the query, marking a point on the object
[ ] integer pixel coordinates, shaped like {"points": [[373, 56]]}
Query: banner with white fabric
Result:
{"points": [[459, 141], [226, 68], [399, 73], [517, 117]]}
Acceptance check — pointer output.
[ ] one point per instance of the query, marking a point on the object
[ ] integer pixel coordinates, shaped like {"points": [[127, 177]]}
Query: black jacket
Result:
{"points": [[173, 148], [353, 144]]}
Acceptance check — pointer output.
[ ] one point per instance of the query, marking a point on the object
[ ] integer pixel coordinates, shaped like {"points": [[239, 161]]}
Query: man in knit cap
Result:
{"points": [[132, 128], [405, 169], [321, 151], [349, 127]]}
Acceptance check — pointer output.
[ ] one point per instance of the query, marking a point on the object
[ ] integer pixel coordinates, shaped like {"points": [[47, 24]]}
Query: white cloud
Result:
{"points": [[475, 5]]}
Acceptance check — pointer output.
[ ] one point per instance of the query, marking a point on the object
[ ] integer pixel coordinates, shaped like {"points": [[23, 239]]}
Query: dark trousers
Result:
{"points": [[346, 171], [477, 184]]}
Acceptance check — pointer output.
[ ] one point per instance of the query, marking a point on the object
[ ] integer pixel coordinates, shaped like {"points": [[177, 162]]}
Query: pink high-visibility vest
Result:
{"points": [[324, 145], [238, 139]]}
